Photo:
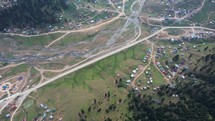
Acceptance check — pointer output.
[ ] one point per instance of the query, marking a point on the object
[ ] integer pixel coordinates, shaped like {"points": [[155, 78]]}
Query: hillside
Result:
{"points": [[31, 13], [191, 99]]}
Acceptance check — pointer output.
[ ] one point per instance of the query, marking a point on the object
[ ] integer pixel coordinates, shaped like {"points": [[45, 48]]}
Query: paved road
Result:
{"points": [[96, 59]]}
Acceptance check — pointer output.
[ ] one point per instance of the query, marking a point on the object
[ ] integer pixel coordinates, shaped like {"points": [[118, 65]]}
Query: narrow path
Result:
{"points": [[32, 97], [123, 6], [41, 75], [57, 39], [5, 103], [70, 31], [165, 78], [111, 3], [12, 65], [21, 99], [150, 60], [19, 102], [195, 11], [86, 29]]}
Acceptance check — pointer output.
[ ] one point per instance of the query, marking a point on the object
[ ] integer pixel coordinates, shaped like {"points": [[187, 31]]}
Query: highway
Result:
{"points": [[102, 56]]}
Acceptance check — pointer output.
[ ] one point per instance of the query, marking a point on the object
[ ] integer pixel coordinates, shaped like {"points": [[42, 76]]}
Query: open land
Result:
{"points": [[87, 66]]}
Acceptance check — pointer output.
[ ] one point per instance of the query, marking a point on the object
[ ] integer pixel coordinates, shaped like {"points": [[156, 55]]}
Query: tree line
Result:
{"points": [[196, 96], [31, 13]]}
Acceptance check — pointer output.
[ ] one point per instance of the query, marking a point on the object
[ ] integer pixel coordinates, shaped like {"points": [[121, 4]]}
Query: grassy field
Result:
{"points": [[78, 90], [37, 40], [155, 10], [87, 36], [188, 4], [128, 6], [156, 76], [202, 16], [77, 37], [175, 31], [196, 53], [16, 70]]}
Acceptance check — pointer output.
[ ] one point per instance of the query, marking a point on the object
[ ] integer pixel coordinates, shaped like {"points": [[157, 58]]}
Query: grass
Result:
{"points": [[157, 76], [75, 14], [202, 15], [37, 40], [2, 116], [188, 4], [196, 53], [77, 91], [77, 37], [9, 55], [34, 81], [28, 106], [33, 72], [155, 10], [86, 84], [175, 31], [178, 23], [17, 70], [53, 66], [128, 6]]}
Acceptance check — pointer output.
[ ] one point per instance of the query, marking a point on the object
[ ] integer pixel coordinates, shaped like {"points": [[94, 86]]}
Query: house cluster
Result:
{"points": [[173, 10], [160, 52], [145, 59], [27, 31], [166, 70], [147, 74], [133, 75], [89, 16], [11, 107], [134, 72], [86, 15], [148, 53], [150, 80], [197, 35], [47, 112], [12, 85], [7, 3]]}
